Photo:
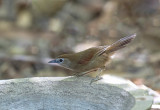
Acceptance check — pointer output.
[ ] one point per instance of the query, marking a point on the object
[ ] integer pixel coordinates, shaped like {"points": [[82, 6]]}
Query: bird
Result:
{"points": [[92, 59]]}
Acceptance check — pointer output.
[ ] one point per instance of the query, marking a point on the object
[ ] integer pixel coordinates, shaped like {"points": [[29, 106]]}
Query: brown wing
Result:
{"points": [[87, 55]]}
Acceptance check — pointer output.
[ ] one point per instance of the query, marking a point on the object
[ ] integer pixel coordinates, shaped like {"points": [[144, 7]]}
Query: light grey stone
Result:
{"points": [[62, 93]]}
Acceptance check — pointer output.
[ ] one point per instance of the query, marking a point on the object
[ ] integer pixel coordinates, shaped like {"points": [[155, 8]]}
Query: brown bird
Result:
{"points": [[92, 59]]}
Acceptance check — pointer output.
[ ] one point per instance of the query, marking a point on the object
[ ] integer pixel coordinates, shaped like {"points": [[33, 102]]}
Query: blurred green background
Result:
{"points": [[33, 31]]}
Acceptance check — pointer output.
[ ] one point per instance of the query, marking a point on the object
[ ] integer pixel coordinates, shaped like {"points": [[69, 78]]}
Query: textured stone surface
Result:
{"points": [[62, 94], [143, 98]]}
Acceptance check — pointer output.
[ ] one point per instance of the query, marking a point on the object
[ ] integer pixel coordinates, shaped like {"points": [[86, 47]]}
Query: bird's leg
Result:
{"points": [[98, 77]]}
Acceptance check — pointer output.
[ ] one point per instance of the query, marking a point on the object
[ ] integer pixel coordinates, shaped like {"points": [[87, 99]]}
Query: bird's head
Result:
{"points": [[62, 61]]}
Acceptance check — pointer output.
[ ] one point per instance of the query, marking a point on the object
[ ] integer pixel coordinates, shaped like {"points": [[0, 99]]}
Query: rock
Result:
{"points": [[62, 93], [143, 100]]}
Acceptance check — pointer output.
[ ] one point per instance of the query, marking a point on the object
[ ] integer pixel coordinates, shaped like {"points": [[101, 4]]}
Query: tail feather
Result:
{"points": [[120, 43]]}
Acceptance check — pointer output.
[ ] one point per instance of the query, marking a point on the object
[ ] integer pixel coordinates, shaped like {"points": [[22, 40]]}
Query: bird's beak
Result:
{"points": [[52, 61]]}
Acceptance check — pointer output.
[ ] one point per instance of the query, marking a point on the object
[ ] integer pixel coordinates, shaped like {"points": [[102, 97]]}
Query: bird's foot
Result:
{"points": [[95, 79]]}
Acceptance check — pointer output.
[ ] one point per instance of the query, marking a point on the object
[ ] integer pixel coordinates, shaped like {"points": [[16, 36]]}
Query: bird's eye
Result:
{"points": [[61, 60]]}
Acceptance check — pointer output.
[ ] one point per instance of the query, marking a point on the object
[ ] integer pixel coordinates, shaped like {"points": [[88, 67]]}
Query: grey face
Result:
{"points": [[62, 62]]}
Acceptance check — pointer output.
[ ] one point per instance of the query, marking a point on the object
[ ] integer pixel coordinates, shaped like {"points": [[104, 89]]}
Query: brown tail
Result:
{"points": [[120, 43]]}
